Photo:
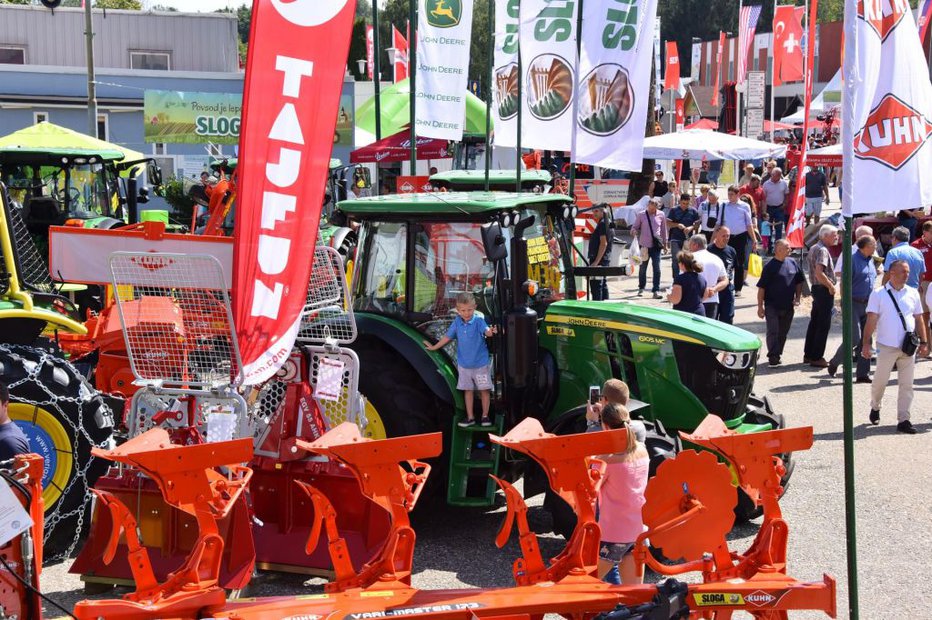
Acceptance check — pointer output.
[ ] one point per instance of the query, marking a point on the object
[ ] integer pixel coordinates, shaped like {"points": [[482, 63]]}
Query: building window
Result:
{"points": [[167, 164], [153, 61], [40, 117], [159, 148], [12, 55], [103, 127]]}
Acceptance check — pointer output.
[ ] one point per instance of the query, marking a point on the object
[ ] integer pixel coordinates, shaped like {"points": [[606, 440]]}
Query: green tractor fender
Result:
{"points": [[433, 367]]}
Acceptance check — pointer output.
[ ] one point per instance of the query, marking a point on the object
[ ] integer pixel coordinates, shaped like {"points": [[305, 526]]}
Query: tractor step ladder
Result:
{"points": [[474, 460]]}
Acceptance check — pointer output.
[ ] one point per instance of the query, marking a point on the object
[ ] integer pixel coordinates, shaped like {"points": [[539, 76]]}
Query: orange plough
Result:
{"points": [[688, 513]]}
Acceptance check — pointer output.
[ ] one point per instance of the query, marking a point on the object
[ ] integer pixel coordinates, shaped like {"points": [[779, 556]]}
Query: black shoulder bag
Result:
{"points": [[910, 339]]}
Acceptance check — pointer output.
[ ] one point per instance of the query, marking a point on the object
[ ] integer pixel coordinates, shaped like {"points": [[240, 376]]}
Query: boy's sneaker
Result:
{"points": [[466, 423], [486, 421]]}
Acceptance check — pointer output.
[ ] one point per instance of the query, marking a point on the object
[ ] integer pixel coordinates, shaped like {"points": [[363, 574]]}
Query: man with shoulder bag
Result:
{"points": [[895, 313]]}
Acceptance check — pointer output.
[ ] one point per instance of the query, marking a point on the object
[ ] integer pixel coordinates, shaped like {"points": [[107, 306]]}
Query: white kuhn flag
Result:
{"points": [[444, 29], [505, 74], [614, 84], [548, 62], [887, 110]]}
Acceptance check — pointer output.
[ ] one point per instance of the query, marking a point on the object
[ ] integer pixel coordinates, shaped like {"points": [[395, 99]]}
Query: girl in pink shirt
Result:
{"points": [[621, 497]]}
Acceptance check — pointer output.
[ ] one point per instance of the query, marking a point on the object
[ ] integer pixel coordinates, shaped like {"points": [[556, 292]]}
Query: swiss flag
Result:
{"points": [[400, 45], [671, 78], [787, 44]]}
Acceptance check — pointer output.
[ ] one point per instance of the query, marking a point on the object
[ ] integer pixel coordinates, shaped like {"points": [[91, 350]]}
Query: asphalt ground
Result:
{"points": [[894, 498]]}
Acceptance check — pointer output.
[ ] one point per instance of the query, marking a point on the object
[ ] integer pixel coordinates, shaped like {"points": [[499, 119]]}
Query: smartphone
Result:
{"points": [[595, 393]]}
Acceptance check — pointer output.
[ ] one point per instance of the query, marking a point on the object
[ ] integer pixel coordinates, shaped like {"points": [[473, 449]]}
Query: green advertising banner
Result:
{"points": [[192, 118], [198, 118]]}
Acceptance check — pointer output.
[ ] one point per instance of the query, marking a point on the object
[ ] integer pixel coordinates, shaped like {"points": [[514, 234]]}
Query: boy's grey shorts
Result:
{"points": [[473, 378]]}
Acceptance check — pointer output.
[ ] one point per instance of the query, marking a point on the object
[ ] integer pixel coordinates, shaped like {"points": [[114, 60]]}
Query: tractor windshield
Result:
{"points": [[415, 270], [77, 190]]}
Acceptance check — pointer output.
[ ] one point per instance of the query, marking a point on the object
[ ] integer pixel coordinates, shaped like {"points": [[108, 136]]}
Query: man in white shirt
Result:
{"points": [[713, 270], [893, 311], [775, 193]]}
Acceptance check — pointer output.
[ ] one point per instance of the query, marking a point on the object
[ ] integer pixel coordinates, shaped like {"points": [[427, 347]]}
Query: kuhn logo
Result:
{"points": [[308, 12], [759, 598], [407, 187], [893, 133], [153, 262], [882, 15]]}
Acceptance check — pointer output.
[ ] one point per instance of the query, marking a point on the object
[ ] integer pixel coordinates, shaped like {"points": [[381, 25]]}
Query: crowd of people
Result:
{"points": [[710, 238]]}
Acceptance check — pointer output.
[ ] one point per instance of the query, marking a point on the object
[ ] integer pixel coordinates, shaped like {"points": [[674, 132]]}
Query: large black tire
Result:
{"points": [[63, 417], [660, 448], [760, 412], [404, 402]]}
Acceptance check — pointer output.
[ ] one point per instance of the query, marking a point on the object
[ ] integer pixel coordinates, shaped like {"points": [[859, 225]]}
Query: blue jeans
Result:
{"points": [[778, 218], [613, 576], [726, 305], [598, 289], [675, 246], [653, 256]]}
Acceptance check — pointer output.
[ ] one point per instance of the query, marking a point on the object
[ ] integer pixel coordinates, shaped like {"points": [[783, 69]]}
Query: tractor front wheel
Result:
{"points": [[63, 417]]}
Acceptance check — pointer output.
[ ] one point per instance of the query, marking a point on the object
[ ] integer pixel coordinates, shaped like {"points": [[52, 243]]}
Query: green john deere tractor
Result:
{"points": [[514, 252], [61, 414]]}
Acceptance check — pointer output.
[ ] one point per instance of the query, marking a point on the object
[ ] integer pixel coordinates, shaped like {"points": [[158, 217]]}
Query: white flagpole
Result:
{"points": [[773, 73], [741, 36]]}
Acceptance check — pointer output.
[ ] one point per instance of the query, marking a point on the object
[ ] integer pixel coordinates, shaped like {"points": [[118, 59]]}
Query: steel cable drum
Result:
{"points": [[679, 484]]}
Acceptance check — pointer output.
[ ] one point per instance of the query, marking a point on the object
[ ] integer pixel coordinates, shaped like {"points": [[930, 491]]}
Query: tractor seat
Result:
{"points": [[41, 212]]}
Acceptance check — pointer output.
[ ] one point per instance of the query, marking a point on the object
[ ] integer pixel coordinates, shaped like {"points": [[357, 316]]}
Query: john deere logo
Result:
{"points": [[443, 13]]}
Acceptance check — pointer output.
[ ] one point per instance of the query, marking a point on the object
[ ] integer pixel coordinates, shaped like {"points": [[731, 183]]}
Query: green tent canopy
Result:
{"points": [[48, 139], [396, 116]]}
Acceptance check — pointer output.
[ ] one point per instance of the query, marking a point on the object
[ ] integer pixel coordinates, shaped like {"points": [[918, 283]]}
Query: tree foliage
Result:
{"points": [[128, 5]]}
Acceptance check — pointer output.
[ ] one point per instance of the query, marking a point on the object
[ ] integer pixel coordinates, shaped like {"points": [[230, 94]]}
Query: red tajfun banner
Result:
{"points": [[671, 77], [795, 231], [787, 44], [294, 76]]}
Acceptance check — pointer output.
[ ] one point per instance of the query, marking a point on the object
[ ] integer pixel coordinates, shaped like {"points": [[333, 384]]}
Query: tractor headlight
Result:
{"points": [[734, 360]]}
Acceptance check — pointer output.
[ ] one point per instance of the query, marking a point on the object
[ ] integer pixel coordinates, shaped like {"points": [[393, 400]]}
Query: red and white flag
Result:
{"points": [[370, 51], [747, 26], [294, 74], [787, 50], [718, 72], [886, 110], [795, 231], [671, 78], [400, 45]]}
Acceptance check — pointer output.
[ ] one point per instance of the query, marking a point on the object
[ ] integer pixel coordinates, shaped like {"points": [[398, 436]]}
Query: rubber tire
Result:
{"points": [[87, 420], [405, 403], [659, 447], [759, 413]]}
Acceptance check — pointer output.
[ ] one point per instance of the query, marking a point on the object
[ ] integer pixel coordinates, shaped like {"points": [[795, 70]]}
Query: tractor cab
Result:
{"points": [[60, 177]]}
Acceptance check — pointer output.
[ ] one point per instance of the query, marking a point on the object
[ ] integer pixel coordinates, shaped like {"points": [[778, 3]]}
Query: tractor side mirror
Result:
{"points": [[153, 173], [494, 242]]}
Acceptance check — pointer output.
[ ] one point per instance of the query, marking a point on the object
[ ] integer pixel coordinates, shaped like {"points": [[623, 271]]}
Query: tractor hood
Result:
{"points": [[652, 321]]}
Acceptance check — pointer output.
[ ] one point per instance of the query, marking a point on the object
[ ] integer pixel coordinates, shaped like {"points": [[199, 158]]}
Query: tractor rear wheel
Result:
{"points": [[403, 402], [63, 417]]}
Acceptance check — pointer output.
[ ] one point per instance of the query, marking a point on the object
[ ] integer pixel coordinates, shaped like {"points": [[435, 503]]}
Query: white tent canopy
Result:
{"points": [[706, 144], [829, 98]]}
